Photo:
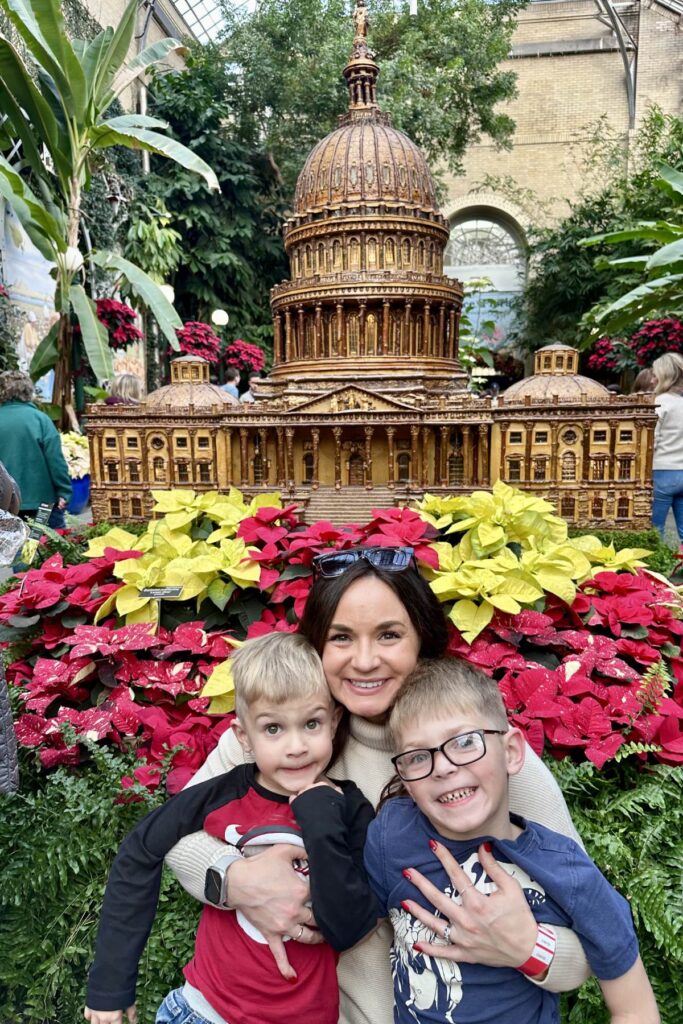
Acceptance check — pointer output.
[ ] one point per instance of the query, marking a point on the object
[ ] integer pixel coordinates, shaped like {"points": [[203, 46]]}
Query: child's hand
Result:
{"points": [[314, 785], [111, 1016]]}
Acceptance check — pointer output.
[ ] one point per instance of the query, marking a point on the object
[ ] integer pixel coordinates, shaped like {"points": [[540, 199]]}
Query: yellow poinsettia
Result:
{"points": [[117, 538], [604, 558], [231, 509], [182, 507], [147, 573], [220, 686]]}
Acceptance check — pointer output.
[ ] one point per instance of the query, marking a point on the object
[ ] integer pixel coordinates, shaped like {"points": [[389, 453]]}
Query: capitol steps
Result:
{"points": [[348, 505]]}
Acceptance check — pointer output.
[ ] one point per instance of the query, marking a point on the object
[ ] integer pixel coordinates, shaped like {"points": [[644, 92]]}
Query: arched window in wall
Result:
{"points": [[371, 335], [336, 255], [485, 244]]}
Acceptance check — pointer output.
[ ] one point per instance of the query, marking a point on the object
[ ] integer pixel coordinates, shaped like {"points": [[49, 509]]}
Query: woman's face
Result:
{"points": [[371, 647]]}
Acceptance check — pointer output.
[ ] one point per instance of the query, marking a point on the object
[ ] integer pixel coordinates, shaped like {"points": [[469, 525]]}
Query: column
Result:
{"points": [[554, 454], [281, 476], [385, 327], [452, 343], [586, 449], [244, 457], [427, 339], [263, 437], [362, 346], [484, 469], [442, 329], [277, 339], [318, 343], [444, 431], [391, 472], [337, 432], [300, 342], [289, 456], [528, 470], [503, 470], [369, 431], [228, 458], [468, 468], [414, 474], [406, 347], [425, 457], [288, 336], [341, 348], [315, 437]]}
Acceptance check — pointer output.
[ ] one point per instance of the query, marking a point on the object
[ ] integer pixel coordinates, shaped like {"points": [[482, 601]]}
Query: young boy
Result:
{"points": [[286, 721], [457, 751]]}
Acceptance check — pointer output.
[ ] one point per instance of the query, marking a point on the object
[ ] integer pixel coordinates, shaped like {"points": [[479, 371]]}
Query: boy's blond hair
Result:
{"points": [[277, 668], [439, 686]]}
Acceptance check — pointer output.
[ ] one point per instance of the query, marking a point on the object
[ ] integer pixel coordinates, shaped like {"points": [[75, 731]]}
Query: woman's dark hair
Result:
{"points": [[412, 590]]}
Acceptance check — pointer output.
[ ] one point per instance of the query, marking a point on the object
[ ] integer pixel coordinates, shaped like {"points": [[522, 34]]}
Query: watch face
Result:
{"points": [[213, 887]]}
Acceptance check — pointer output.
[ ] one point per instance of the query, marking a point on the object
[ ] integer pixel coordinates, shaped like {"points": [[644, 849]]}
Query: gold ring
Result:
{"points": [[301, 931]]}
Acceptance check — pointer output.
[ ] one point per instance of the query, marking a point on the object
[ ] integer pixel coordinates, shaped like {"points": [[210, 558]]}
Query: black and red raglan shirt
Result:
{"points": [[232, 965]]}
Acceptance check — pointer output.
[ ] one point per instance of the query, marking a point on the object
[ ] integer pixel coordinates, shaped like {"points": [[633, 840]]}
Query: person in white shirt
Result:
{"points": [[667, 475]]}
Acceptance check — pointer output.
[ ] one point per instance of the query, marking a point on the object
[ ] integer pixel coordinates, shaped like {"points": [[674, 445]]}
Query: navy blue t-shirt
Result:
{"points": [[562, 886]]}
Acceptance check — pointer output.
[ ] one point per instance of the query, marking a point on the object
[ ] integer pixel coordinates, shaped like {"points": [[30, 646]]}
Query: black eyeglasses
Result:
{"points": [[460, 750], [334, 563]]}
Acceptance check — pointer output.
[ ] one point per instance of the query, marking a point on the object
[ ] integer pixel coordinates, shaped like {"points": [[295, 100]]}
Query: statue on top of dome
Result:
{"points": [[360, 20]]}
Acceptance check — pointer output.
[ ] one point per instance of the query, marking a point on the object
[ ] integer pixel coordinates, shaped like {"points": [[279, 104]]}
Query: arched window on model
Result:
{"points": [[354, 254], [159, 470], [320, 269], [308, 468], [371, 334], [336, 255], [353, 332], [371, 254], [389, 253], [405, 254]]}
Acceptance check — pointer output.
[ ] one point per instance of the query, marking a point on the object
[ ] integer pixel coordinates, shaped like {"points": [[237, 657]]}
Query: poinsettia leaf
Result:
{"points": [[23, 621]]}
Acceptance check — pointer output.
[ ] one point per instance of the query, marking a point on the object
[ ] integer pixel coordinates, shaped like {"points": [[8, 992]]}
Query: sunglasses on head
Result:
{"points": [[334, 563]]}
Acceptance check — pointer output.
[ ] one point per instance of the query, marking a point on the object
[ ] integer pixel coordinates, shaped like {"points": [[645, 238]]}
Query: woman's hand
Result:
{"points": [[111, 1016], [498, 930], [272, 895]]}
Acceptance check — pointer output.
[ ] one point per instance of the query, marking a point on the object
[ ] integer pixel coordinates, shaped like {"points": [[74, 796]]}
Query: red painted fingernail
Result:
{"points": [[292, 981], [488, 847], [405, 905], [417, 946], [433, 845], [406, 874]]}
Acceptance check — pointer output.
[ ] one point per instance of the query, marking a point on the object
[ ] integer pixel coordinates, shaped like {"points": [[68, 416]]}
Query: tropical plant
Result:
{"points": [[198, 339], [119, 321], [246, 357], [662, 289], [56, 106]]}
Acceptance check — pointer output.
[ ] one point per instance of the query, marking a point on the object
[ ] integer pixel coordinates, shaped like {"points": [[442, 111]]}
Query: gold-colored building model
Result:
{"points": [[366, 404]]}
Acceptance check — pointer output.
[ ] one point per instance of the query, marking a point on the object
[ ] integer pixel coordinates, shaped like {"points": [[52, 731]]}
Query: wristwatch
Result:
{"points": [[216, 883]]}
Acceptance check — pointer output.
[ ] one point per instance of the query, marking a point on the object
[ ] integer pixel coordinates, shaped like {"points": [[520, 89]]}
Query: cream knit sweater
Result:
{"points": [[364, 975]]}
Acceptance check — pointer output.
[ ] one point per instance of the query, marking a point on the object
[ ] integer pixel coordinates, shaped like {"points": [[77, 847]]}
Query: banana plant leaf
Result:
{"points": [[45, 356], [148, 291], [121, 131], [93, 333]]}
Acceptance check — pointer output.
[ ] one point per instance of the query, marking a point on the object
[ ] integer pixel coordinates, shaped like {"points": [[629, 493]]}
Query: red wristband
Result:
{"points": [[542, 953]]}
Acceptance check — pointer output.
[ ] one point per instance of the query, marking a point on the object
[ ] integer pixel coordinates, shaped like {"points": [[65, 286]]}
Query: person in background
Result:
{"points": [[248, 395], [126, 389], [232, 380], [10, 501], [667, 475], [645, 382], [31, 450]]}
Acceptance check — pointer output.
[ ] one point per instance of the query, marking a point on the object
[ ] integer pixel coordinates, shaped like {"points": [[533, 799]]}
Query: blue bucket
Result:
{"points": [[80, 493]]}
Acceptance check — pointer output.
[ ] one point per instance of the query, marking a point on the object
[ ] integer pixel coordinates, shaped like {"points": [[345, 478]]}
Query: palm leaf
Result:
{"points": [[133, 69], [45, 231], [46, 354], [148, 291], [112, 133], [94, 335]]}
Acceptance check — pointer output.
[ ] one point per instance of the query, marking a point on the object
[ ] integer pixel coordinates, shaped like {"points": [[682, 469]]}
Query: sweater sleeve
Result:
{"points": [[132, 891], [56, 463], [334, 827], [190, 859], [535, 794]]}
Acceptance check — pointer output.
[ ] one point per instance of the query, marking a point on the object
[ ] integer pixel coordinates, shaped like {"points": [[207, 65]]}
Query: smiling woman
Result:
{"points": [[370, 627]]}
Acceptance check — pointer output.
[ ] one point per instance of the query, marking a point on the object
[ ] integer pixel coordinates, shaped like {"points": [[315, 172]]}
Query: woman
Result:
{"points": [[667, 475], [370, 615], [125, 389], [31, 450]]}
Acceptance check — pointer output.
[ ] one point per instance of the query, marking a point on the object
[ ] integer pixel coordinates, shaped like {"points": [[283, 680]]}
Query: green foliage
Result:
{"points": [[440, 75], [229, 250], [661, 558], [63, 830], [631, 821], [568, 279]]}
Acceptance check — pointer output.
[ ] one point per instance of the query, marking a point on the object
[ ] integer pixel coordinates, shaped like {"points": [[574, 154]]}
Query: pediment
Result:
{"points": [[352, 399]]}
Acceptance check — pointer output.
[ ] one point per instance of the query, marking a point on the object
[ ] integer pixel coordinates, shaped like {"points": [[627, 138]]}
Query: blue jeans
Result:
{"points": [[176, 1010], [668, 493]]}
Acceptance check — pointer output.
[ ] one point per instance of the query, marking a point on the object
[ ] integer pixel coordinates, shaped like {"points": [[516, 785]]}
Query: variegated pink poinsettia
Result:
{"points": [[571, 677]]}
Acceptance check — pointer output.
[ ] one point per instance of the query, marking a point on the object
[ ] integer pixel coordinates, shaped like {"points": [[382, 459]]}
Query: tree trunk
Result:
{"points": [[61, 392]]}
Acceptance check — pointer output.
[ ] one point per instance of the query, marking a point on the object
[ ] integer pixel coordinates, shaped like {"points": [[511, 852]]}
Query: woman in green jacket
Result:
{"points": [[30, 449]]}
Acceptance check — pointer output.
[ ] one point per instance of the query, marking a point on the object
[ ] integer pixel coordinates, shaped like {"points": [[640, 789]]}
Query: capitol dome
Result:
{"points": [[365, 161], [190, 387], [555, 376]]}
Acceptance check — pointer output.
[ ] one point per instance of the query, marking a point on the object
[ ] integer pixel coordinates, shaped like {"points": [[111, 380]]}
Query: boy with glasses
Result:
{"points": [[449, 810]]}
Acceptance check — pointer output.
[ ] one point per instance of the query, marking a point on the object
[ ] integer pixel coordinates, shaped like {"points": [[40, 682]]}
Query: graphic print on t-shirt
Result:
{"points": [[430, 984]]}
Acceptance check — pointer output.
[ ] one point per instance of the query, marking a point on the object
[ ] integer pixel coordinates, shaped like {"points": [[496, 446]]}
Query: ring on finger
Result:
{"points": [[447, 934], [301, 931], [470, 885]]}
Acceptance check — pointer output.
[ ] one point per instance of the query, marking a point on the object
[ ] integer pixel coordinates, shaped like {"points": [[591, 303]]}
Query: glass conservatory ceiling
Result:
{"points": [[205, 17]]}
